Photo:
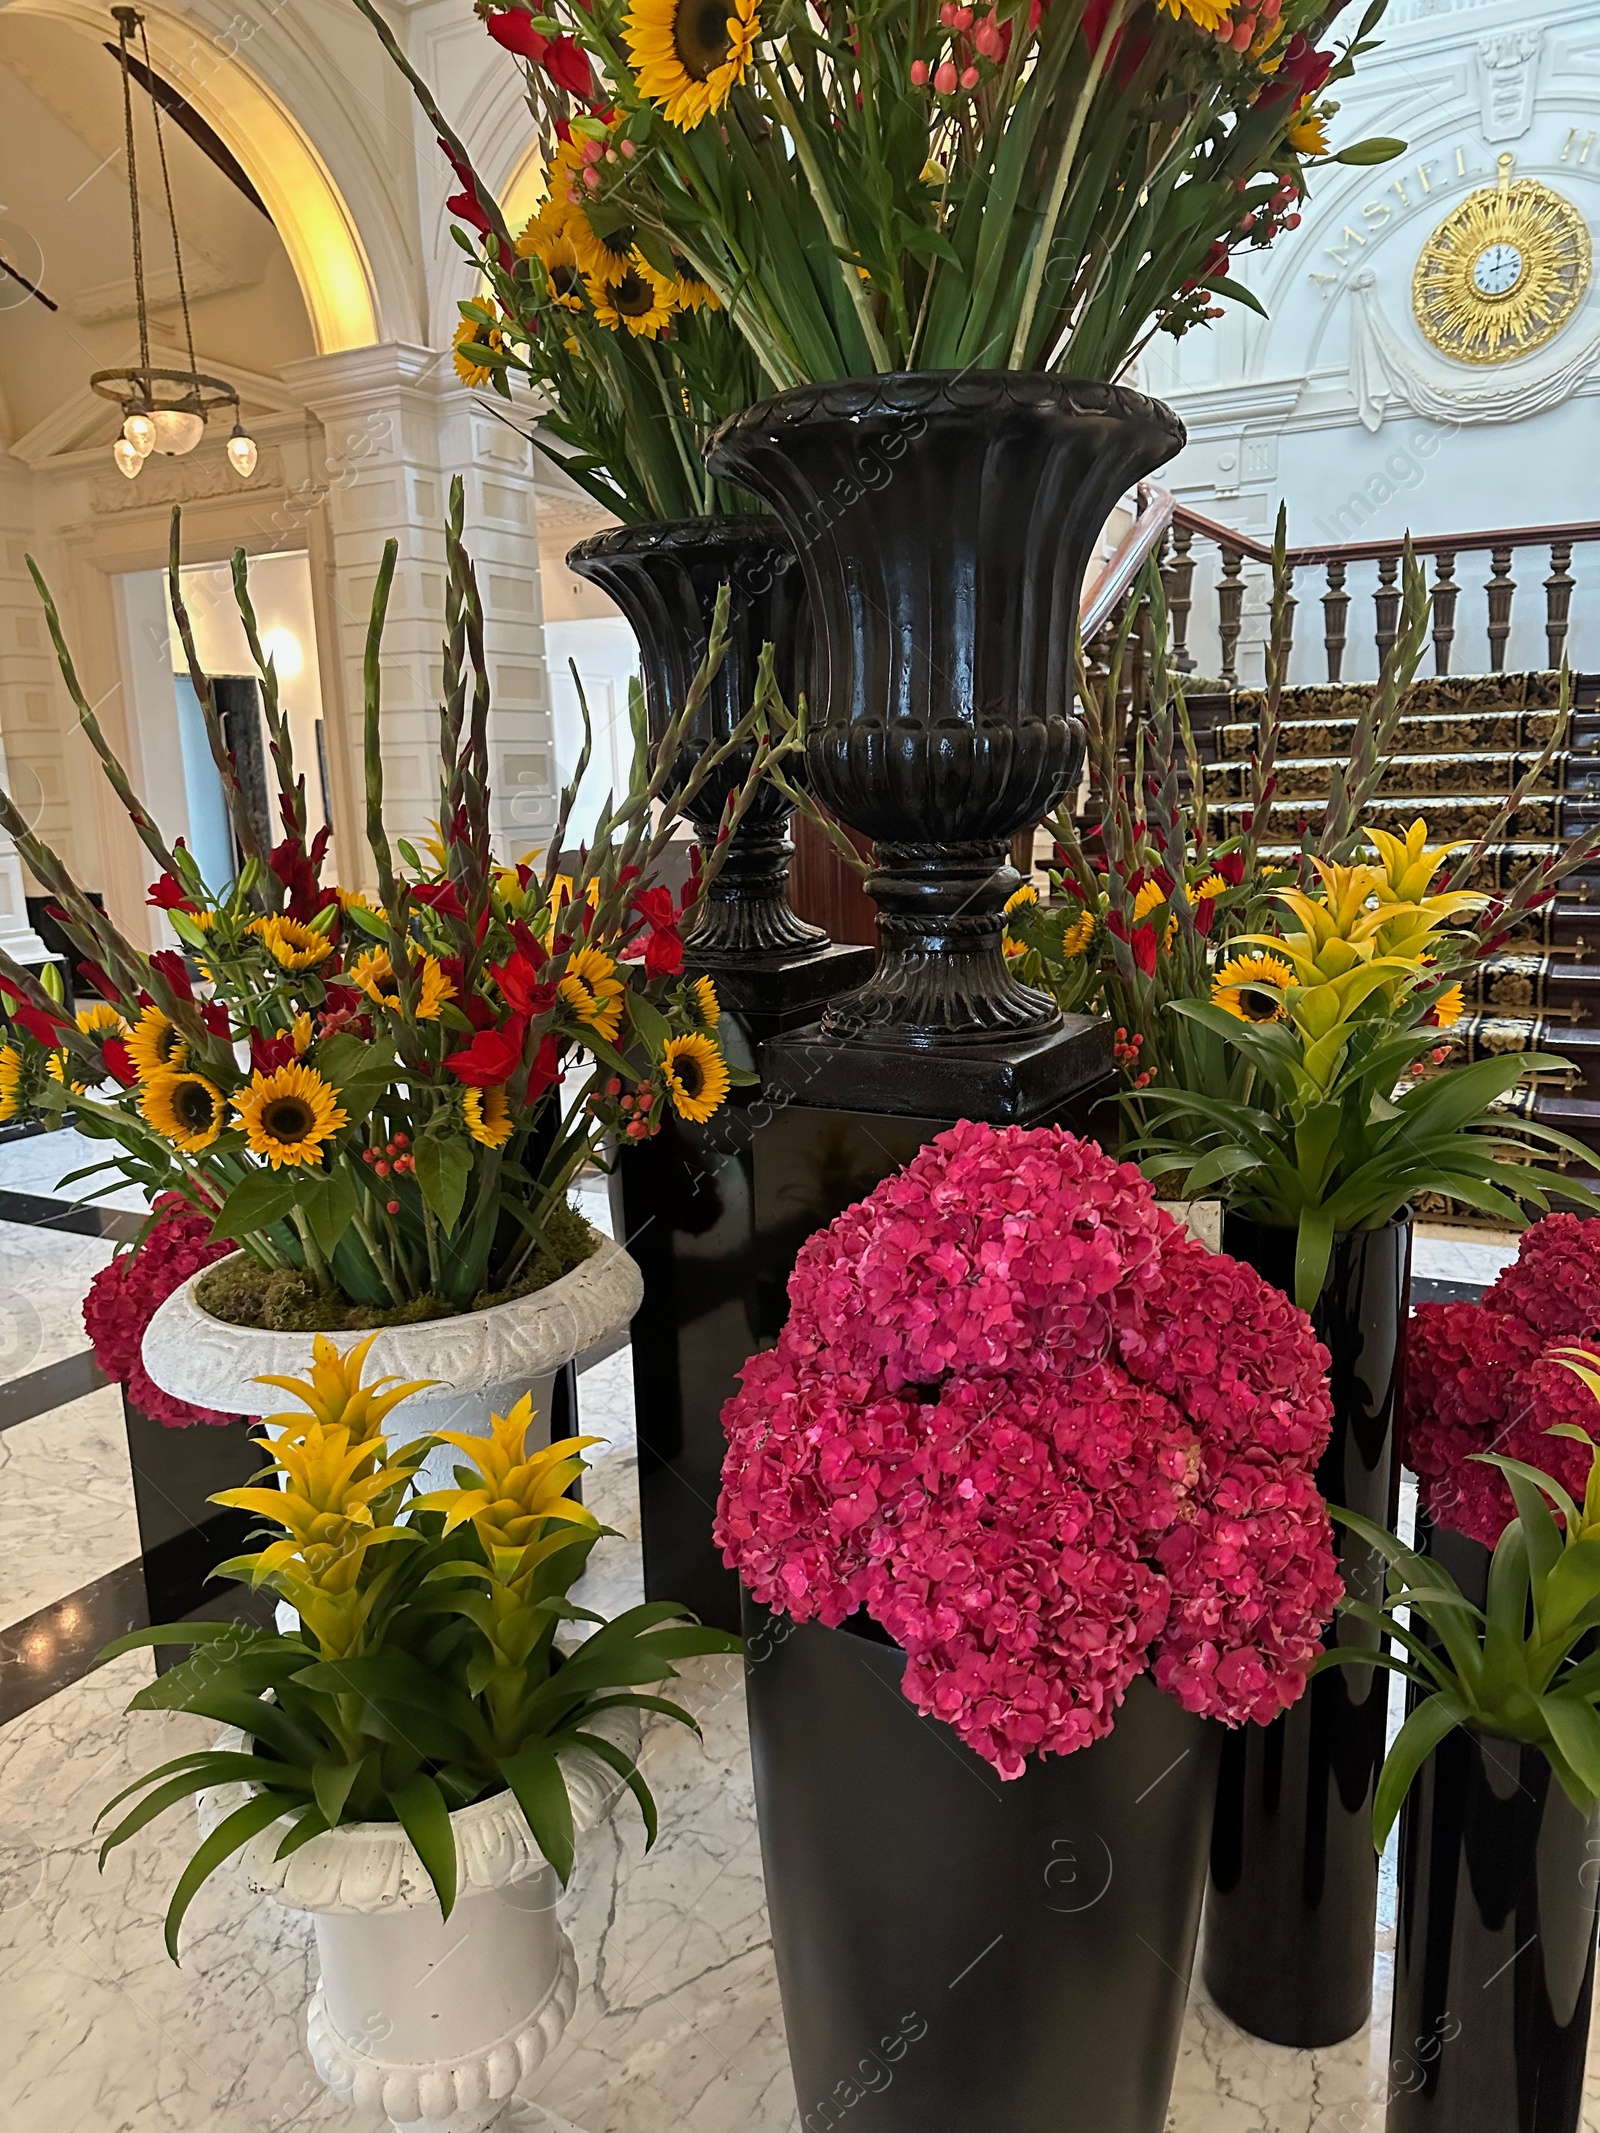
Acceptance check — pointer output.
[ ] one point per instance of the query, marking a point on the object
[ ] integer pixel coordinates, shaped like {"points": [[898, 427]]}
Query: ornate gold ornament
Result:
{"points": [[1503, 272]]}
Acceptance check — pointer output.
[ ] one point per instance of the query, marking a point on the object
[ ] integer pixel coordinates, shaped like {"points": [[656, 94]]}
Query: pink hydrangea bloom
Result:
{"points": [[1475, 1382], [1046, 1440], [123, 1298]]}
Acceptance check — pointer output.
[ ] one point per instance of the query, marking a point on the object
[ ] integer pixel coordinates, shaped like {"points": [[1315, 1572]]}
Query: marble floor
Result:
{"points": [[678, 2027]]}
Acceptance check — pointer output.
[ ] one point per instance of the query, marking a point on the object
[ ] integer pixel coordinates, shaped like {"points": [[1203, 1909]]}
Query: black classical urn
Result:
{"points": [[665, 577], [945, 521]]}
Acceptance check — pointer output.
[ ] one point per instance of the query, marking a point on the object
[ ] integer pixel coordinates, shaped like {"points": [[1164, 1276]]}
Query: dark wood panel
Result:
{"points": [[825, 889]]}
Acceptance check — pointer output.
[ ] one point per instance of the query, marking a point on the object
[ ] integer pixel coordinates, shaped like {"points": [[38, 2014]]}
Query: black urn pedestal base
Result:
{"points": [[1015, 1081], [684, 1205], [183, 1536]]}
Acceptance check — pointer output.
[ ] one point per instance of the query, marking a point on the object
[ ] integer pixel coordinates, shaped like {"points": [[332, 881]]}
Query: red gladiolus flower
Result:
{"points": [[1231, 868], [567, 65], [655, 906], [118, 1059], [493, 1056], [172, 968], [169, 894], [518, 979], [465, 207], [439, 896], [215, 1017], [546, 1069], [513, 28], [267, 1054], [663, 954], [1144, 949], [1205, 915]]}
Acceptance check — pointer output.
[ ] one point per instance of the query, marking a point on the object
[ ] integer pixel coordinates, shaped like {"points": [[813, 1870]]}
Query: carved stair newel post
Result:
{"points": [[665, 578], [945, 521]]}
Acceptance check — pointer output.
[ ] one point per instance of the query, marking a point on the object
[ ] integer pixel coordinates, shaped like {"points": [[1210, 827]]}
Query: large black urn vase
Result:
{"points": [[957, 1954], [1291, 1916], [665, 578], [945, 521]]}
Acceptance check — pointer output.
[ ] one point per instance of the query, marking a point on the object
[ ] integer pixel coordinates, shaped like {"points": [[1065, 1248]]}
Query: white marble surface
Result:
{"points": [[1441, 1251], [39, 1161], [44, 1276], [66, 1502]]}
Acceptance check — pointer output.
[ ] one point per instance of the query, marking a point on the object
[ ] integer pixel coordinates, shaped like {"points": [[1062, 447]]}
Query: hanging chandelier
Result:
{"points": [[163, 410]]}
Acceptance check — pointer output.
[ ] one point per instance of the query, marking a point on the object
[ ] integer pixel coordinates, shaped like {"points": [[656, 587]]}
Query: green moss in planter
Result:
{"points": [[244, 1293]]}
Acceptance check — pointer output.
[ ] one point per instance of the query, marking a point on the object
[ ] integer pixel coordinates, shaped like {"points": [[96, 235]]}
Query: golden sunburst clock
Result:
{"points": [[1503, 272]]}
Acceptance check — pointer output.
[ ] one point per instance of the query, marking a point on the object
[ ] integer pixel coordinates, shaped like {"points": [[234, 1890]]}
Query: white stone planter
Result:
{"points": [[434, 2022], [483, 1360]]}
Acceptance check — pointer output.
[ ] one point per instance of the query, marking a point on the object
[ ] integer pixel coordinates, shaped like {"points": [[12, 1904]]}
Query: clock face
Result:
{"points": [[1497, 270], [1503, 272]]}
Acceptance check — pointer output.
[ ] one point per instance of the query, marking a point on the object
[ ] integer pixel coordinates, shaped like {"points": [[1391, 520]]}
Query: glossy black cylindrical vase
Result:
{"points": [[1291, 1915], [959, 1954], [1494, 1961], [945, 521], [665, 577]]}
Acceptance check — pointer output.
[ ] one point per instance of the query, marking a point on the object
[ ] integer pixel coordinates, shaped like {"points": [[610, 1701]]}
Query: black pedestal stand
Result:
{"points": [[684, 1205], [183, 1536]]}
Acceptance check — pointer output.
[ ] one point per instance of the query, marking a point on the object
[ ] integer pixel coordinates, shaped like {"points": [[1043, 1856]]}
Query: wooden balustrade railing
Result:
{"points": [[1444, 551]]}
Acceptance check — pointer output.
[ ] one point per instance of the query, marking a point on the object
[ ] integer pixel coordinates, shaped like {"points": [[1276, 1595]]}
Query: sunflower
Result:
{"points": [[288, 1115], [707, 1006], [469, 350], [99, 1023], [56, 1067], [1447, 1008], [291, 945], [696, 1075], [185, 1109], [1242, 987], [488, 1115], [1150, 898], [1022, 899], [690, 293], [593, 992], [1207, 15], [154, 1045], [1200, 891], [1308, 130], [373, 972], [631, 295], [1076, 937], [10, 1082], [690, 54], [549, 241]]}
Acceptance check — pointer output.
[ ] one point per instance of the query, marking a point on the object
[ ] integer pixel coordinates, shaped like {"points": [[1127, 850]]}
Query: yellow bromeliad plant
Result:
{"points": [[422, 1670], [1346, 1108]]}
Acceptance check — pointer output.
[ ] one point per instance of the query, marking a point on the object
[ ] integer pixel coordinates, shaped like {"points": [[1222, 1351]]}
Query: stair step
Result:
{"points": [[1422, 734], [1421, 778], [1447, 819], [1436, 695]]}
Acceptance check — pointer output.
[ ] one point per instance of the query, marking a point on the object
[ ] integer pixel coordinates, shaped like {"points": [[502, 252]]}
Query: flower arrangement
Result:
{"points": [[422, 1671], [1479, 1380], [366, 1096], [125, 1295], [1046, 1440], [881, 187], [615, 338], [1522, 1670]]}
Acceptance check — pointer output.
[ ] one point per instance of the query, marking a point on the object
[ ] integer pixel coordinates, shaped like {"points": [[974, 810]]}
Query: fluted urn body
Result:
{"points": [[665, 577], [945, 522]]}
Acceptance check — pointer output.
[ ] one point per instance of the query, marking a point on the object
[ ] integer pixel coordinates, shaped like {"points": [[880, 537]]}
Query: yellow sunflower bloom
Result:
{"points": [[101, 1020], [707, 1005], [1078, 935], [300, 1031], [288, 1115], [488, 1116], [696, 1075], [1023, 899], [470, 339], [292, 945], [56, 1067], [1249, 986], [690, 293], [1150, 898], [185, 1109], [1207, 15], [689, 55], [593, 991], [155, 1046], [1200, 891], [373, 972], [550, 242], [631, 297], [10, 1082], [1308, 130]]}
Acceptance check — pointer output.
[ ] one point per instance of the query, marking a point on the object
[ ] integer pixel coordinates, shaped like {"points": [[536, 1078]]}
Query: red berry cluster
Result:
{"points": [[388, 1158], [1125, 1051]]}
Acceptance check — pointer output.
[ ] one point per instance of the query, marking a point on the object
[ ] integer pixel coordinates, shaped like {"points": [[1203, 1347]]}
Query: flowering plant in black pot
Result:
{"points": [[1496, 1773]]}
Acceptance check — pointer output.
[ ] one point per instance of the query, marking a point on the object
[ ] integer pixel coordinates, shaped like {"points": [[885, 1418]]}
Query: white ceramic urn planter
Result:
{"points": [[434, 2022], [483, 1361]]}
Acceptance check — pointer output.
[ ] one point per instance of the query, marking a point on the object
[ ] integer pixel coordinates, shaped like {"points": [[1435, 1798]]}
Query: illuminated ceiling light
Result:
{"points": [[282, 647], [130, 460], [242, 452], [163, 410]]}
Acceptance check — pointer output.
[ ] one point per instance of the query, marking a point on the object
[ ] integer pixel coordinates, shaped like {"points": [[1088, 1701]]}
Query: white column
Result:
{"points": [[35, 774], [397, 426]]}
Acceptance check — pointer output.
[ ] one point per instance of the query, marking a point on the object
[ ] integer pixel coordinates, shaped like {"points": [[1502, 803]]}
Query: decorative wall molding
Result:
{"points": [[192, 480], [1385, 376], [1508, 64]]}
